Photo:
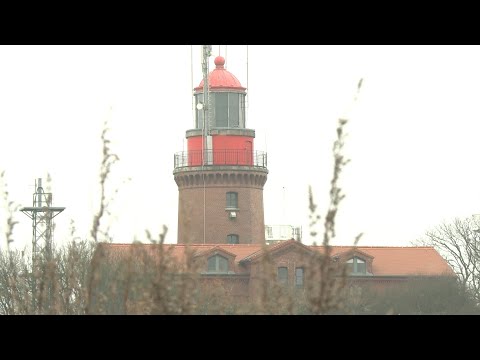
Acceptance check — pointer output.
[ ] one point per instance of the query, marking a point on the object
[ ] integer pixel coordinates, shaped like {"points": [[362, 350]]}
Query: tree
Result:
{"points": [[459, 243]]}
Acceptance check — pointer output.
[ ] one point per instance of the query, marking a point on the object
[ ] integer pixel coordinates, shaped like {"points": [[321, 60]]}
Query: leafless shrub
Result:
{"points": [[458, 242], [108, 160], [60, 282], [326, 279], [144, 279], [10, 207]]}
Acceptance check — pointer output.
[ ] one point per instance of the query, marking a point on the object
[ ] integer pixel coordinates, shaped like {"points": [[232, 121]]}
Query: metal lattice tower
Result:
{"points": [[42, 213]]}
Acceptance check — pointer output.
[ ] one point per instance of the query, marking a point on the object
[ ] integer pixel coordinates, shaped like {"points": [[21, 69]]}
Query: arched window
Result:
{"points": [[232, 239], [232, 200], [356, 265], [217, 264]]}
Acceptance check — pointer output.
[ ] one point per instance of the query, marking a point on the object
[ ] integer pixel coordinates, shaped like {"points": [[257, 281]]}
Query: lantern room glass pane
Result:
{"points": [[198, 113], [221, 109], [233, 110], [242, 111]]}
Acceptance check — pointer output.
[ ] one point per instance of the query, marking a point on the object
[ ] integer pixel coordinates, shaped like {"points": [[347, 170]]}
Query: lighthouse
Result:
{"points": [[221, 176]]}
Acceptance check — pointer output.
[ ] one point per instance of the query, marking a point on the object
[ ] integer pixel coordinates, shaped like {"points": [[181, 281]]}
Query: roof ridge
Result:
{"points": [[274, 245], [373, 246], [210, 244]]}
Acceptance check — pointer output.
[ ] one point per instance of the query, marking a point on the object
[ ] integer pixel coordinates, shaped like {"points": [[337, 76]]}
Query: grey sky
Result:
{"points": [[412, 136]]}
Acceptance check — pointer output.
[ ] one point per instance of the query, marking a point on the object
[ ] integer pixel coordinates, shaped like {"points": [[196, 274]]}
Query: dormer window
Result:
{"points": [[217, 264], [356, 265]]}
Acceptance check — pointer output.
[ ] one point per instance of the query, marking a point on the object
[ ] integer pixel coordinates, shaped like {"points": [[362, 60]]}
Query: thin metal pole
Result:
{"points": [[247, 96], [191, 85], [206, 49]]}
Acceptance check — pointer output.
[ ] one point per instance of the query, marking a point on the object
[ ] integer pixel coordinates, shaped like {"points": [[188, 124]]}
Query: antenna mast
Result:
{"points": [[206, 137], [42, 213], [206, 52]]}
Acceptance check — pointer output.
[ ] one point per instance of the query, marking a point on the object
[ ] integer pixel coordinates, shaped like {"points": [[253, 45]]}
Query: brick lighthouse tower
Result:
{"points": [[220, 177]]}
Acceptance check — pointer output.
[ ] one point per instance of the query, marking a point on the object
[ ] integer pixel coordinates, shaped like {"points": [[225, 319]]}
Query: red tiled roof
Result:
{"points": [[349, 251], [387, 261], [402, 260], [276, 247], [213, 249], [178, 250]]}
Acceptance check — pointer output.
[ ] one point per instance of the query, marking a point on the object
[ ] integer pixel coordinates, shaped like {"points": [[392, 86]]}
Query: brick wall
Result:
{"points": [[249, 223]]}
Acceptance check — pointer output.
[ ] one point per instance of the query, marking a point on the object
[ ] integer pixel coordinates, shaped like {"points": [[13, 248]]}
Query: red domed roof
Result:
{"points": [[220, 78]]}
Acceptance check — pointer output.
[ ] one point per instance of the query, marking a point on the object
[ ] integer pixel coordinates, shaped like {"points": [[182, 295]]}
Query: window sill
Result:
{"points": [[360, 274], [218, 273]]}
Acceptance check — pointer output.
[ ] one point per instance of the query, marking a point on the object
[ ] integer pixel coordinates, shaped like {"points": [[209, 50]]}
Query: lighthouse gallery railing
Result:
{"points": [[220, 157]]}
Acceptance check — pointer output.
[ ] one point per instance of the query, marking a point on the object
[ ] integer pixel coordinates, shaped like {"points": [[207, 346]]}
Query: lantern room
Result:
{"points": [[226, 99], [220, 136]]}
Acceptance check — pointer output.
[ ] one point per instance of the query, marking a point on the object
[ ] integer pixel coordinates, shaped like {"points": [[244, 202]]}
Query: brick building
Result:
{"points": [[239, 265], [220, 181]]}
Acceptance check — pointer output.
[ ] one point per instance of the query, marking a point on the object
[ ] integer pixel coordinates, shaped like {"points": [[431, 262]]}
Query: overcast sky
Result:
{"points": [[413, 134]]}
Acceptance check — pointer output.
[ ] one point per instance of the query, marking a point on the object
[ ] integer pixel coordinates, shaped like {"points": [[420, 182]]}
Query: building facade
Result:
{"points": [[221, 227], [241, 267]]}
